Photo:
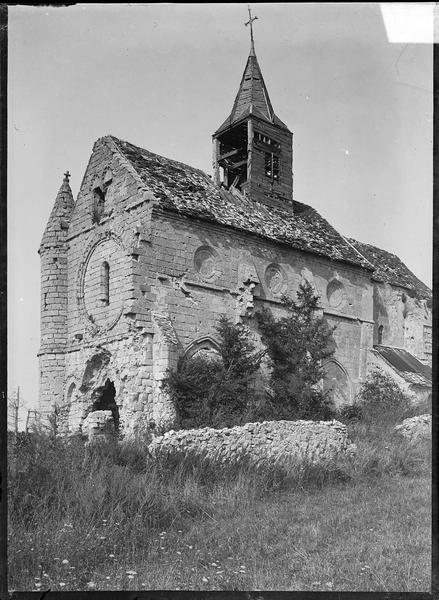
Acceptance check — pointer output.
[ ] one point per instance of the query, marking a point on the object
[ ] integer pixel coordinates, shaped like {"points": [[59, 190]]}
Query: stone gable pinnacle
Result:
{"points": [[59, 219]]}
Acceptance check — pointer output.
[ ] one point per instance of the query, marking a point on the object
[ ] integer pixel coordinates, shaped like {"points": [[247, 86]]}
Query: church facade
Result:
{"points": [[138, 270]]}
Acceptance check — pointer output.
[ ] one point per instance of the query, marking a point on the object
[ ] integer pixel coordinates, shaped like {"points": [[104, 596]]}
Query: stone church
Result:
{"points": [[137, 271]]}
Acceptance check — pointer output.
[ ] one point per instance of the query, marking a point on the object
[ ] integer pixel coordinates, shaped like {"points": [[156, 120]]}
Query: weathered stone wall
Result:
{"points": [[52, 380], [282, 444], [129, 364], [197, 271], [406, 321], [115, 340]]}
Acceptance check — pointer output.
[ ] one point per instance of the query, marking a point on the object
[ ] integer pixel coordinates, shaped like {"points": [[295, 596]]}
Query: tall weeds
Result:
{"points": [[94, 504]]}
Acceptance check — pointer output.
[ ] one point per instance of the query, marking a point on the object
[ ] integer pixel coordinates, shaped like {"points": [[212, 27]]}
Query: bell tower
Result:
{"points": [[253, 149]]}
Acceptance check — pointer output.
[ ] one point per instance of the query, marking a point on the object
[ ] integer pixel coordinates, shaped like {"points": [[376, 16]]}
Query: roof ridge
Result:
{"points": [[377, 248], [347, 240]]}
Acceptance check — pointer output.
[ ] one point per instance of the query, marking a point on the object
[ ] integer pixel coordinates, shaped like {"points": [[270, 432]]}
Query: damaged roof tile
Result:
{"points": [[390, 269], [189, 191]]}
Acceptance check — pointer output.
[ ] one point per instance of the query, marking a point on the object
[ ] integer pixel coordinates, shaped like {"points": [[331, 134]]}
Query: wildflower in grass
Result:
{"points": [[329, 585], [62, 584], [91, 585], [108, 577], [131, 572], [206, 580], [111, 556], [65, 562]]}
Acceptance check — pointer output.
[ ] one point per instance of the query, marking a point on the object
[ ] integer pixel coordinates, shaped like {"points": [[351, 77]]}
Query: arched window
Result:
{"points": [[380, 334], [204, 347], [105, 283]]}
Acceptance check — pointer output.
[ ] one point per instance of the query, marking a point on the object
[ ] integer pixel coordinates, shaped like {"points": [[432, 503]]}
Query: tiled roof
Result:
{"points": [[407, 365], [189, 191], [390, 269]]}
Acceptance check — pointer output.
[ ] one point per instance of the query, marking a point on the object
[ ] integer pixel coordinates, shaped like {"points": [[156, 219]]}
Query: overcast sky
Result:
{"points": [[164, 77]]}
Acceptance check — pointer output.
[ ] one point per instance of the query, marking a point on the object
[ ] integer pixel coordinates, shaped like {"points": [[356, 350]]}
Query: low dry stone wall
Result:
{"points": [[415, 428], [283, 444]]}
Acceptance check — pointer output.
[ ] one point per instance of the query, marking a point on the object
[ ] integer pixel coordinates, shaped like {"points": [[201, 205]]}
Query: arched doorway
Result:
{"points": [[336, 382], [104, 398]]}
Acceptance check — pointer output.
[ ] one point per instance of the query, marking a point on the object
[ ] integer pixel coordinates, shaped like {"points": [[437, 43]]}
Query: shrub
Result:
{"points": [[381, 401], [209, 392], [297, 344]]}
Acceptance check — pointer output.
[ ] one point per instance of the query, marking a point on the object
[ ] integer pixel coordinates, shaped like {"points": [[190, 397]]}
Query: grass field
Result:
{"points": [[111, 519]]}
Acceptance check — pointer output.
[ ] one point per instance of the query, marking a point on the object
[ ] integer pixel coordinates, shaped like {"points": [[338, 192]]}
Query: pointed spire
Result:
{"points": [[252, 97], [60, 216]]}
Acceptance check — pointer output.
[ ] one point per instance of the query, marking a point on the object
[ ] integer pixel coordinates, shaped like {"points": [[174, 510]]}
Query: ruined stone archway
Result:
{"points": [[93, 369]]}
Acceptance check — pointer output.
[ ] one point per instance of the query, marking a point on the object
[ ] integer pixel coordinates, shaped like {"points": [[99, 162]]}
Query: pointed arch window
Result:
{"points": [[105, 283]]}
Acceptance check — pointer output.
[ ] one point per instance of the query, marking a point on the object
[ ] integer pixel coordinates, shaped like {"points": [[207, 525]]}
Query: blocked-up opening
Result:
{"points": [[105, 399], [98, 204], [380, 334]]}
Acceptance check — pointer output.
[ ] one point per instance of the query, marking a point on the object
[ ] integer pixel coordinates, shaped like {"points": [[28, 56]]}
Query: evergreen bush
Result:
{"points": [[297, 346]]}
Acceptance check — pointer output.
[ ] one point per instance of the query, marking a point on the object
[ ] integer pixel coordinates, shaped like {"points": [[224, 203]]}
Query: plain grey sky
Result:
{"points": [[164, 77]]}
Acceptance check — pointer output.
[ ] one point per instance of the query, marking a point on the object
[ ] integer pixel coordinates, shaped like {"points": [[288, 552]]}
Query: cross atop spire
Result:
{"points": [[67, 176], [250, 22]]}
